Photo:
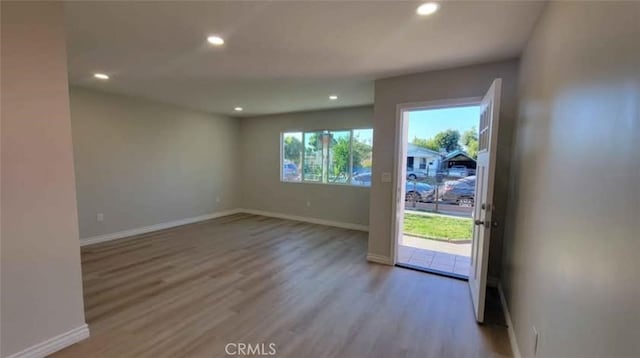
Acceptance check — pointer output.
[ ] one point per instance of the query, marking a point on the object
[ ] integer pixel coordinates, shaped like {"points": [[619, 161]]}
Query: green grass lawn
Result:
{"points": [[438, 226]]}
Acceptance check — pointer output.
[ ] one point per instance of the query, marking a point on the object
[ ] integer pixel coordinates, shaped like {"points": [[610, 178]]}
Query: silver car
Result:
{"points": [[419, 192], [416, 174]]}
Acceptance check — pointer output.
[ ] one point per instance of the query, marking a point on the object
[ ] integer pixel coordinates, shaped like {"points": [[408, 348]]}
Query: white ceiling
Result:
{"points": [[280, 56]]}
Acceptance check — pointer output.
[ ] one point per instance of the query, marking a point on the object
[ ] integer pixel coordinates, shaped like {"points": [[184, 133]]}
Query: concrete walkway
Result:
{"points": [[435, 255], [445, 256], [435, 245], [434, 260]]}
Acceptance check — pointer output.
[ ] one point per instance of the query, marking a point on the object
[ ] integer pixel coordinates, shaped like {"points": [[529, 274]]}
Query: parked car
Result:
{"points": [[461, 191], [416, 174], [363, 179], [458, 171], [359, 171], [420, 192], [289, 171]]}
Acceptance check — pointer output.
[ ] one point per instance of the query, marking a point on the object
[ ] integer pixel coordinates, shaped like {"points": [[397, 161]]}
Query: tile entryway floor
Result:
{"points": [[434, 260]]}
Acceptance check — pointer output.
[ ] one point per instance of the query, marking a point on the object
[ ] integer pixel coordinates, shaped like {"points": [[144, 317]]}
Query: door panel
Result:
{"points": [[482, 212]]}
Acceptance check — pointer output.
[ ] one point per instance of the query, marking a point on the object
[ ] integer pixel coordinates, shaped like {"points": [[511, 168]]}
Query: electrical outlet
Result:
{"points": [[308, 204], [217, 199], [100, 217], [536, 339]]}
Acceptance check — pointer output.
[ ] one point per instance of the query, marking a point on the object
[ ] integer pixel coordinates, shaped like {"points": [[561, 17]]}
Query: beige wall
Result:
{"points": [[40, 265], [472, 81], [260, 168], [143, 163], [573, 233]]}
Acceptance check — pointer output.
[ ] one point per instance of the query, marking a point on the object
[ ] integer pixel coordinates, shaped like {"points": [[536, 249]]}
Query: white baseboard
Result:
{"points": [[156, 227], [339, 224], [167, 225], [379, 259], [507, 316], [54, 344]]}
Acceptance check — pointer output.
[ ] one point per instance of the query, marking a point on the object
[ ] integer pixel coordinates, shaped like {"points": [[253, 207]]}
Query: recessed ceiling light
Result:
{"points": [[238, 109], [101, 76], [215, 40], [428, 8], [333, 97]]}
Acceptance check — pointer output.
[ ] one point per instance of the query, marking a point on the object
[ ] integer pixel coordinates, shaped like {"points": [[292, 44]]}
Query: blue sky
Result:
{"points": [[427, 123]]}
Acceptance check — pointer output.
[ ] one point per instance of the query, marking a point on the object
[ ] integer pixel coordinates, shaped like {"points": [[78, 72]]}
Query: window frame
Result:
{"points": [[304, 158], [302, 161]]}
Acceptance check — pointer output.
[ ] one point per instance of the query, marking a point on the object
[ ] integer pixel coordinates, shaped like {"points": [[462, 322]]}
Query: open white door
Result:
{"points": [[483, 207]]}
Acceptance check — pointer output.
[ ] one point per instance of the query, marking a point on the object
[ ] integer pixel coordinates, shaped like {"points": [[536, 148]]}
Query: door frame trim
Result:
{"points": [[400, 154]]}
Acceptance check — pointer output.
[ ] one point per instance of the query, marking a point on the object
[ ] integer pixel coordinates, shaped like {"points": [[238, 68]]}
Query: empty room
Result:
{"points": [[320, 179]]}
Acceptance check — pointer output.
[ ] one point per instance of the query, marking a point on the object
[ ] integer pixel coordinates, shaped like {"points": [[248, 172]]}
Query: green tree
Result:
{"points": [[342, 151], [340, 157], [427, 143], [470, 142], [292, 149], [313, 143], [448, 140], [361, 154]]}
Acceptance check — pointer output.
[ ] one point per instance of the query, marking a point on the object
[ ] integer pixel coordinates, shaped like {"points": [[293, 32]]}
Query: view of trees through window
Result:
{"points": [[313, 153], [326, 156]]}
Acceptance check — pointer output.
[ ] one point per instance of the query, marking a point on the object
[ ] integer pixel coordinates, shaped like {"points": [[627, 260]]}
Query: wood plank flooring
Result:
{"points": [[188, 291]]}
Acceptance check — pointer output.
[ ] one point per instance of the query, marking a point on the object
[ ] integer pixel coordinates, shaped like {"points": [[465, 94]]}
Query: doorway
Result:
{"points": [[440, 153], [452, 167]]}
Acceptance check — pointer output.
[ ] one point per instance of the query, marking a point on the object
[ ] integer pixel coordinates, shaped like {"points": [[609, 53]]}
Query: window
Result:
{"points": [[312, 169], [361, 154], [292, 156], [329, 157], [339, 164]]}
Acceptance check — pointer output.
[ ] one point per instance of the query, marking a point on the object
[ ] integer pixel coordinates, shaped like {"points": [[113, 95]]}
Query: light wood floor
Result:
{"points": [[189, 291]]}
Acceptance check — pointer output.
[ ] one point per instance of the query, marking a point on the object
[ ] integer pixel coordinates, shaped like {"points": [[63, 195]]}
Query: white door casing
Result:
{"points": [[400, 156]]}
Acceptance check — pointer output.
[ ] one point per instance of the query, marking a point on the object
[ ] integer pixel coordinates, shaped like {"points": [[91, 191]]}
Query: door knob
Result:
{"points": [[487, 223]]}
